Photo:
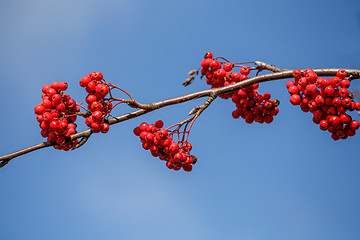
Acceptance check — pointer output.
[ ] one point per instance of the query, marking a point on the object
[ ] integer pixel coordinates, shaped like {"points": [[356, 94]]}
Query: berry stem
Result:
{"points": [[113, 86]]}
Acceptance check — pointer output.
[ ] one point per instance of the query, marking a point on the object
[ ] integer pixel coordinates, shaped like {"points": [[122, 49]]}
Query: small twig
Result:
{"points": [[80, 105]]}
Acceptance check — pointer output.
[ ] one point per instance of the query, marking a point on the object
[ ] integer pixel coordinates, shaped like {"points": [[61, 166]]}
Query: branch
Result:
{"points": [[212, 93]]}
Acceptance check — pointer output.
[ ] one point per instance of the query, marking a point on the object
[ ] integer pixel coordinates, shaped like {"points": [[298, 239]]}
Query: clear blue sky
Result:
{"points": [[286, 180]]}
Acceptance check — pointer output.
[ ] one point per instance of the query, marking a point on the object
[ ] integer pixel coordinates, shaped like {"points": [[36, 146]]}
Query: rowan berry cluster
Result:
{"points": [[250, 104], [56, 115], [97, 89], [327, 99], [160, 143]]}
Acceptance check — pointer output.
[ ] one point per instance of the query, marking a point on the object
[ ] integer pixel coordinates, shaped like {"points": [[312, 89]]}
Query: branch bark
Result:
{"points": [[277, 74]]}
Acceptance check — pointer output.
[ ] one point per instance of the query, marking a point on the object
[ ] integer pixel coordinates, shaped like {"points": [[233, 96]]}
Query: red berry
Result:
{"points": [[335, 136], [71, 104], [205, 63], [151, 128], [319, 100], [345, 83], [228, 66], [329, 90], [311, 76], [245, 70], [266, 96], [346, 102], [297, 73], [53, 124], [311, 88], [144, 127], [174, 148], [290, 83], [96, 127], [208, 55], [324, 83], [45, 88], [97, 116], [187, 167], [336, 102], [62, 124], [354, 125], [55, 85], [92, 85], [343, 92], [220, 73], [85, 81], [90, 99], [61, 107], [268, 118], [334, 120], [56, 98], [295, 99], [345, 118], [324, 125], [335, 82], [63, 86], [89, 120], [46, 103], [303, 82], [159, 124], [69, 132], [60, 140], [137, 131], [214, 65], [341, 74], [51, 91], [293, 89], [39, 109], [101, 90], [236, 77], [104, 128]]}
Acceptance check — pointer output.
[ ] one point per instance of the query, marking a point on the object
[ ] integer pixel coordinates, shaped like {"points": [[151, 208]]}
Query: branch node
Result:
{"points": [[80, 143]]}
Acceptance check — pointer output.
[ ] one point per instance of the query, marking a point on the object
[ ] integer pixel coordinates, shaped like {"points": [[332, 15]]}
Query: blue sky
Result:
{"points": [[285, 180]]}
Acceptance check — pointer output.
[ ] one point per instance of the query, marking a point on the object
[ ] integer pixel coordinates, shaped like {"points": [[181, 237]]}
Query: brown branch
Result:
{"points": [[264, 66], [277, 75], [6, 158]]}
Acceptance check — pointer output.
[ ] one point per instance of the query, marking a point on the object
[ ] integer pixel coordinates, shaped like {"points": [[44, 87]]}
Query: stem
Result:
{"points": [[121, 90]]}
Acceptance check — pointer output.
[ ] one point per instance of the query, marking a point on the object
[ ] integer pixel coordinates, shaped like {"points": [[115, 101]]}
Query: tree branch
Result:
{"points": [[276, 75]]}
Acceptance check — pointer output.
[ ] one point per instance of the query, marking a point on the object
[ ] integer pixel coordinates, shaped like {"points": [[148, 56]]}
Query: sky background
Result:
{"points": [[285, 180]]}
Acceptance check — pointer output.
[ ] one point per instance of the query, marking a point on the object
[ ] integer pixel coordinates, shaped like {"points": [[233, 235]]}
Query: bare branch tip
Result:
{"points": [[192, 72], [188, 81]]}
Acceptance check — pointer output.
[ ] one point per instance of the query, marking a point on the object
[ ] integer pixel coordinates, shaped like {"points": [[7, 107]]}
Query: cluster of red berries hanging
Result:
{"points": [[56, 115], [160, 143], [250, 104], [97, 89], [327, 99]]}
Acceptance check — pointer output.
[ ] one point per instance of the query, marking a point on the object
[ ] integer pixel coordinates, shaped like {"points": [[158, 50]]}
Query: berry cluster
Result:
{"points": [[327, 99], [56, 115], [160, 143], [250, 105], [99, 107]]}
